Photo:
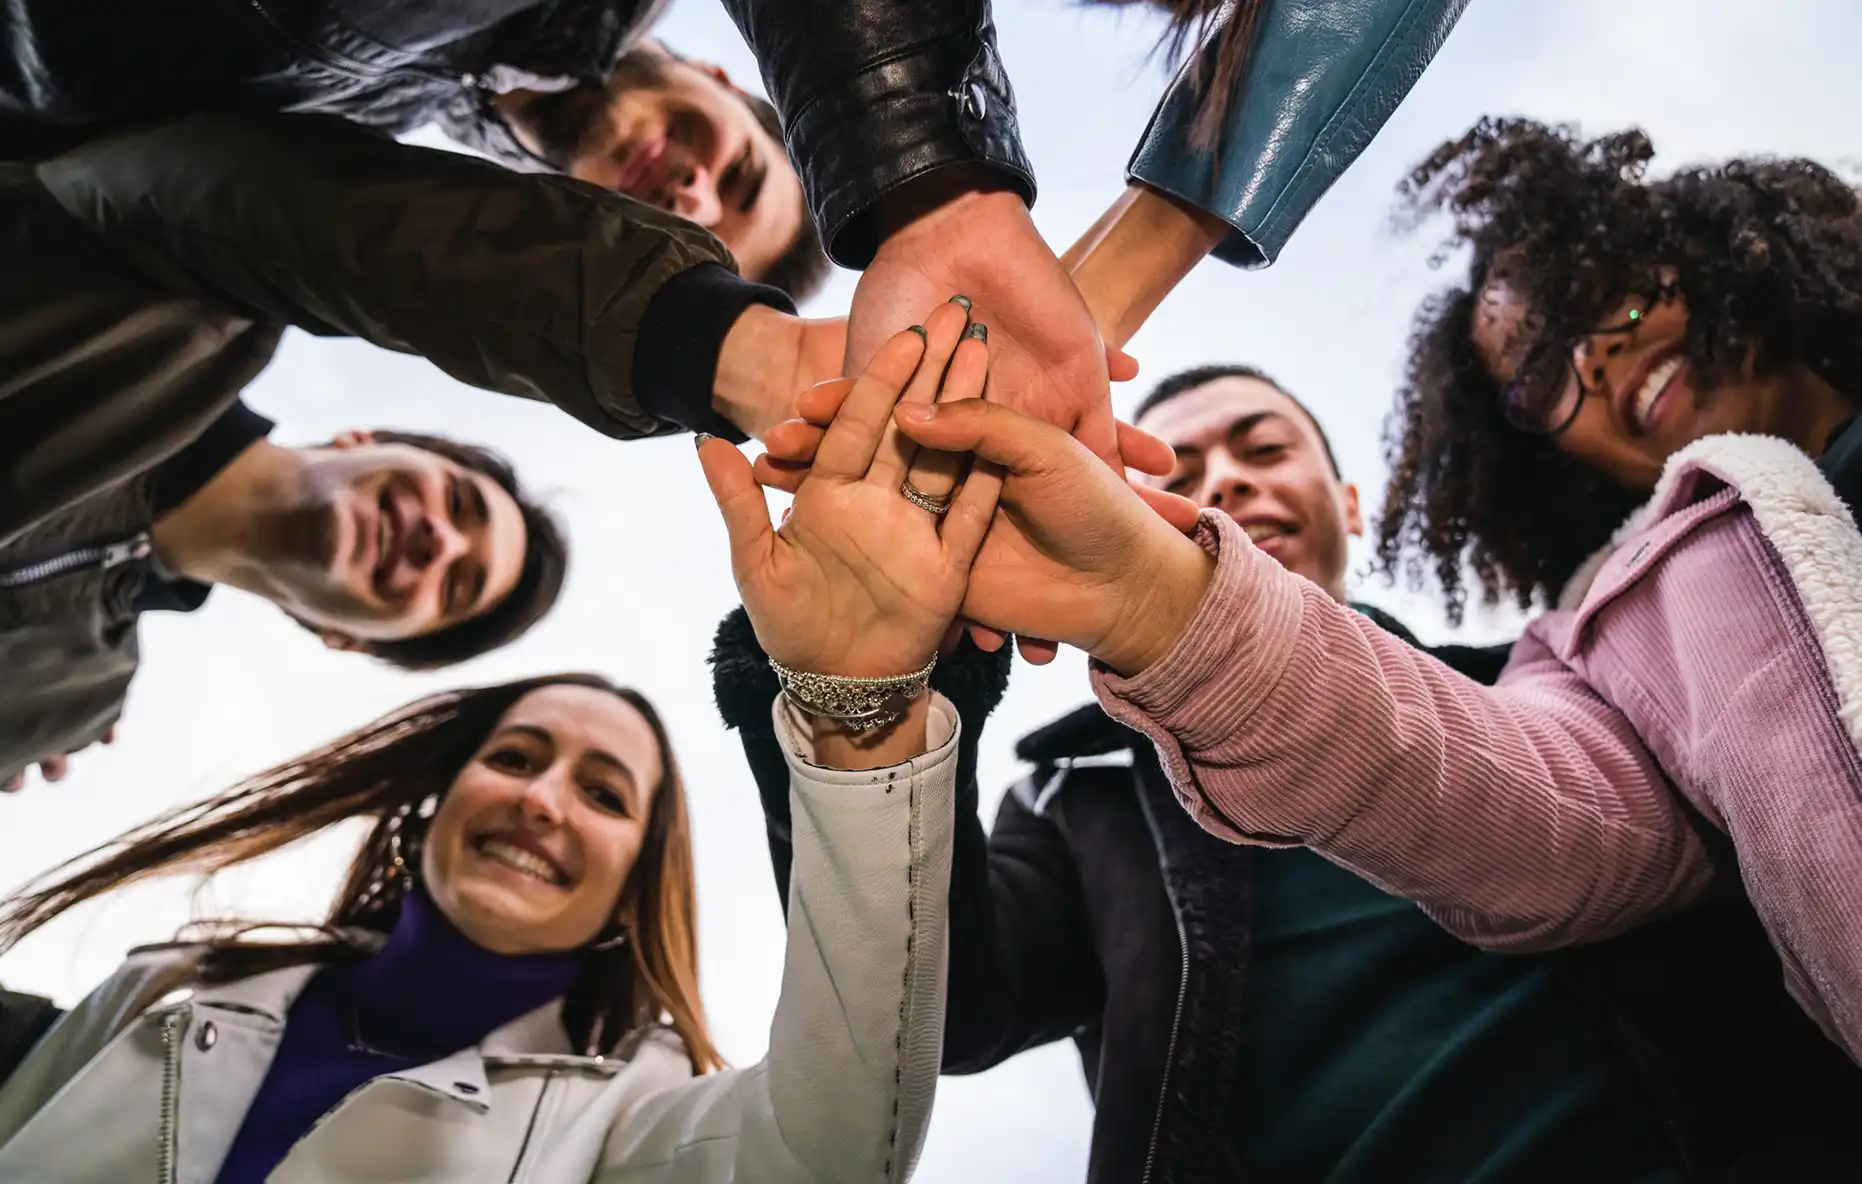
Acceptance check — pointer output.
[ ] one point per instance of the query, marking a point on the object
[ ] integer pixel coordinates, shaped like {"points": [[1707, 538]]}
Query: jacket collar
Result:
{"points": [[536, 1038], [1803, 518]]}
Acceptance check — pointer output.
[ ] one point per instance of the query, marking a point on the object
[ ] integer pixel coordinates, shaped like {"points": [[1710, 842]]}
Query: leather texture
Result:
{"points": [[844, 1094], [874, 93], [1324, 76]]}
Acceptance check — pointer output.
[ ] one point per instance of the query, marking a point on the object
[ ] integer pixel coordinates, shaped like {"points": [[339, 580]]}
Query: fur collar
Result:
{"points": [[1802, 517]]}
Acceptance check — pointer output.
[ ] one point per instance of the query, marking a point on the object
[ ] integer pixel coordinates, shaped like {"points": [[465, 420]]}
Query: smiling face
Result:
{"points": [[1627, 390], [1245, 448], [678, 135], [531, 848], [380, 542]]}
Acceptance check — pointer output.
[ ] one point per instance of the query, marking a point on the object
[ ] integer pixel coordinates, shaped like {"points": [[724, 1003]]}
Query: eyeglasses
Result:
{"points": [[1547, 391]]}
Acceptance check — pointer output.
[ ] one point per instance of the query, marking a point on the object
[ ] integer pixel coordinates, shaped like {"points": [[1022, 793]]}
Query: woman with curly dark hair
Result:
{"points": [[1607, 322], [1691, 716]]}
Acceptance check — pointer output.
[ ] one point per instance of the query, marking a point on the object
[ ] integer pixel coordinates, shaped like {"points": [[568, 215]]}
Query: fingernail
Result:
{"points": [[963, 301], [918, 412], [702, 438], [979, 331], [920, 330]]}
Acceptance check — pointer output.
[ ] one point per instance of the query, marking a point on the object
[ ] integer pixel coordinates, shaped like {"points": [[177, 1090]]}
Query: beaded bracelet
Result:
{"points": [[857, 704]]}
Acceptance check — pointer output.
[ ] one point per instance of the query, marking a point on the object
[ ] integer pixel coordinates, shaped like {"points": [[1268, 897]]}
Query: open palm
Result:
{"points": [[859, 581]]}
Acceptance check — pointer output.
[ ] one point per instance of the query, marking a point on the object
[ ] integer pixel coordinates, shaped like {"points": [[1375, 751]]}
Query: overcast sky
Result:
{"points": [[236, 687]]}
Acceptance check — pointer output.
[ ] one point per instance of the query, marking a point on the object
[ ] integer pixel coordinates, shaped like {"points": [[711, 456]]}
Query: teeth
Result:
{"points": [[1262, 531], [518, 859], [1652, 387]]}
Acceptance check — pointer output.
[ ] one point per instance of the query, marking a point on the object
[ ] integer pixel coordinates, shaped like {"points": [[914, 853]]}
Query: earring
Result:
{"points": [[612, 943]]}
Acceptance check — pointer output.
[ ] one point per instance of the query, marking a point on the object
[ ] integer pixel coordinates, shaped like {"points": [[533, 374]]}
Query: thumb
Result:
{"points": [[990, 430], [1120, 366], [739, 498], [820, 403]]}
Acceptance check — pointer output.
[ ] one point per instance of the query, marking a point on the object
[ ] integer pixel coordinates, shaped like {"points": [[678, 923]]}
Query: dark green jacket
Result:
{"points": [[149, 277]]}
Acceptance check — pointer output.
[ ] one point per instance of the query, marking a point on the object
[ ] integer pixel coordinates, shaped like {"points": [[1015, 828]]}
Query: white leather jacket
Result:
{"points": [[117, 1093]]}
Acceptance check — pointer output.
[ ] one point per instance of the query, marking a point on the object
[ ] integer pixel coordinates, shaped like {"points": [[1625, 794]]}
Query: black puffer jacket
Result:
{"points": [[1097, 910]]}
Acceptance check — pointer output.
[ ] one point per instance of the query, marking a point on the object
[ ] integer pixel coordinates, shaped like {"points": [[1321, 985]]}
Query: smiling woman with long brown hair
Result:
{"points": [[506, 986]]}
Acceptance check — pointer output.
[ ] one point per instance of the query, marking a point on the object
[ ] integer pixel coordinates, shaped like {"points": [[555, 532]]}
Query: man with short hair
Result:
{"points": [[417, 550], [1260, 1014], [674, 133]]}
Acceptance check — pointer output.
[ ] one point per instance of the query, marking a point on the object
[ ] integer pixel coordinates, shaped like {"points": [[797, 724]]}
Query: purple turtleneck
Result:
{"points": [[426, 994]]}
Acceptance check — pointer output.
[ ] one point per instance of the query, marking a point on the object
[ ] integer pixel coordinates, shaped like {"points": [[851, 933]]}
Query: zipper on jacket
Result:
{"points": [[1170, 1054], [99, 556], [174, 1027]]}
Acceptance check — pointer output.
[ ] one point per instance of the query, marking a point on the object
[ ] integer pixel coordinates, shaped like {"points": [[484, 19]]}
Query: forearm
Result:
{"points": [[531, 285], [1522, 816], [1136, 254], [879, 94]]}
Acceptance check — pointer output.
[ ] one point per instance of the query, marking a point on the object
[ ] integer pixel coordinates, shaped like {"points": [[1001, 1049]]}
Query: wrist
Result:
{"points": [[947, 190], [754, 383], [1136, 254], [1173, 584], [838, 746]]}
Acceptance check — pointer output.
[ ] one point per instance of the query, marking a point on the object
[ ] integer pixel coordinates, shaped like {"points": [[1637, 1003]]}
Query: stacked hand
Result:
{"points": [[860, 580]]}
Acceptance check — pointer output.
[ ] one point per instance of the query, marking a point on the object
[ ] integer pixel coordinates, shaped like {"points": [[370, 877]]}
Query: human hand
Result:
{"points": [[1074, 554], [859, 581], [791, 448], [768, 358], [52, 768], [1046, 357]]}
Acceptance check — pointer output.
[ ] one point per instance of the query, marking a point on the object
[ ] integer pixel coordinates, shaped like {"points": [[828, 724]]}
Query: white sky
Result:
{"points": [[236, 687]]}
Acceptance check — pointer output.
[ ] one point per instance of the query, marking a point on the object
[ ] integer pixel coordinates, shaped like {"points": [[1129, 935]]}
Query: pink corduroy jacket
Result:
{"points": [[1712, 653]]}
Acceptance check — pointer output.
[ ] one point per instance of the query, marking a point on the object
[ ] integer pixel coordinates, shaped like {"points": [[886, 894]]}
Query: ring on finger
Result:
{"points": [[923, 500]]}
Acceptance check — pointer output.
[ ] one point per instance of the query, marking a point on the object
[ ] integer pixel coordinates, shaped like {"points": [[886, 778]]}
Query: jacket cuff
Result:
{"points": [[1330, 76], [1226, 660], [681, 336], [798, 746], [946, 103]]}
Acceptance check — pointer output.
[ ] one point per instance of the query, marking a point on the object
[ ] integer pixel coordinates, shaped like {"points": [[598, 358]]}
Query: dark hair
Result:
{"points": [[539, 581], [1189, 380], [1219, 65], [1767, 254], [395, 770], [803, 266]]}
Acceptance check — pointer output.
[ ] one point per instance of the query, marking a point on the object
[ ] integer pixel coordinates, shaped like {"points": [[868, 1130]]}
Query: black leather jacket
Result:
{"points": [[873, 92]]}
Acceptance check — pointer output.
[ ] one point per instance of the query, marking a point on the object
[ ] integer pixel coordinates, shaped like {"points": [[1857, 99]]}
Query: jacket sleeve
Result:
{"points": [[526, 284], [846, 1090], [1022, 965], [1323, 77], [1523, 816], [874, 93]]}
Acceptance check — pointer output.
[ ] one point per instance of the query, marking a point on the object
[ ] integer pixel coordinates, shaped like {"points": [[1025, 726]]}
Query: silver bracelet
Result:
{"points": [[857, 704]]}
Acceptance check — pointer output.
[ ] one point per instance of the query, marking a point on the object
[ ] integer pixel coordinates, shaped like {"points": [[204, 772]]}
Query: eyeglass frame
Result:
{"points": [[1567, 347]]}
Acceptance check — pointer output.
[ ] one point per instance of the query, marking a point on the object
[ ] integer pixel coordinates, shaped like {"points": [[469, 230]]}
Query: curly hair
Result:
{"points": [[1767, 256]]}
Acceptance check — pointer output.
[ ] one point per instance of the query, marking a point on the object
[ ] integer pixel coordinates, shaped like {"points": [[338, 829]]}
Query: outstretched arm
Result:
{"points": [[528, 284]]}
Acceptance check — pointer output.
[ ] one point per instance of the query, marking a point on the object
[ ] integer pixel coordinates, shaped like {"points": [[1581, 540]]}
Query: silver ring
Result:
{"points": [[923, 500]]}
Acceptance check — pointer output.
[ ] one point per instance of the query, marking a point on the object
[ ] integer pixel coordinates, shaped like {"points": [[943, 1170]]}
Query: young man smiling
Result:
{"points": [[417, 550], [1260, 1014]]}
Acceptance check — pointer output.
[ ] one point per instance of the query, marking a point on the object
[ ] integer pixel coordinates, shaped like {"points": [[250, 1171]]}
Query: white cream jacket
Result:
{"points": [[114, 1094]]}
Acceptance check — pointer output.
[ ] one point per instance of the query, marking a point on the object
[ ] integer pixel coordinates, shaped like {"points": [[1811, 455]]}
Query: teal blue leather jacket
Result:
{"points": [[1323, 77]]}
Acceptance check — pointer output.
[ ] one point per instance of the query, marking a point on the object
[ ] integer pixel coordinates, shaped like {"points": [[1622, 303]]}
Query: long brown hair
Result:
{"points": [[395, 770], [1221, 47]]}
